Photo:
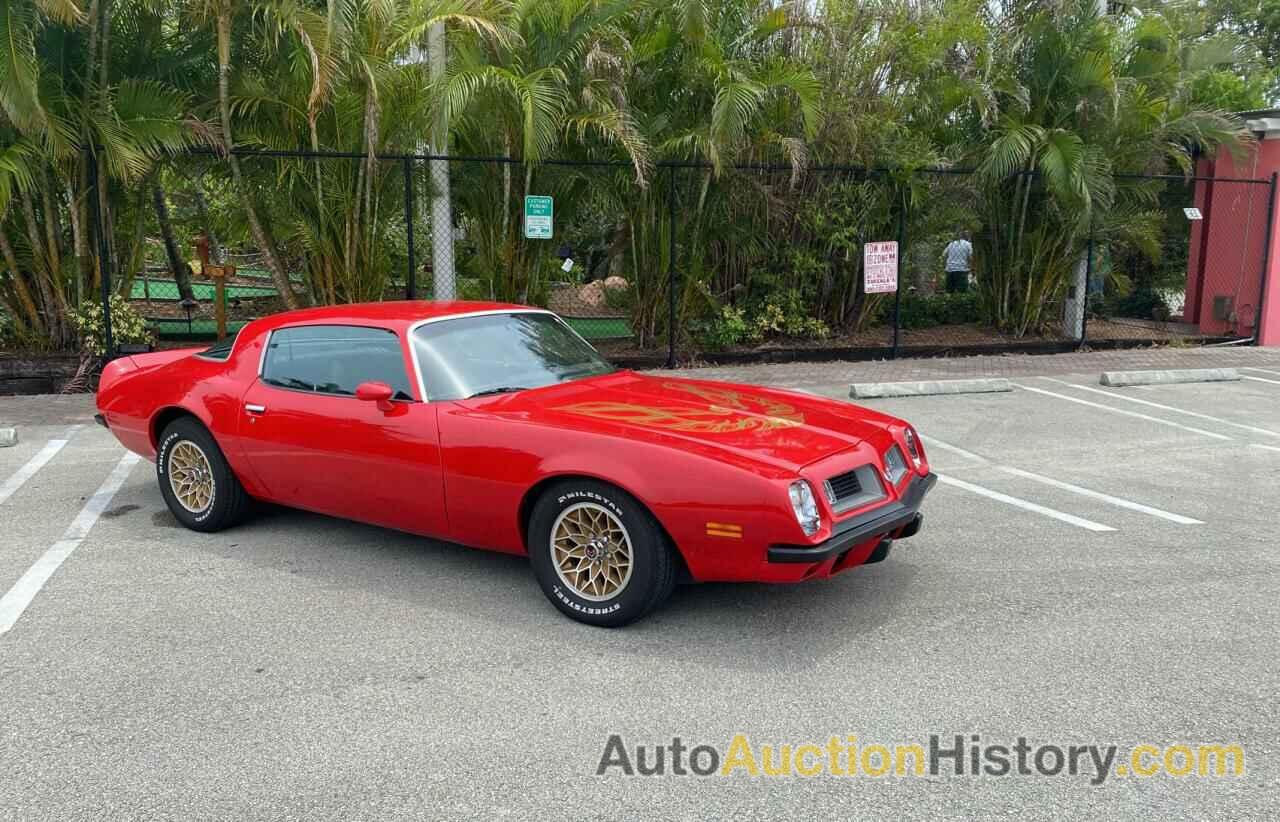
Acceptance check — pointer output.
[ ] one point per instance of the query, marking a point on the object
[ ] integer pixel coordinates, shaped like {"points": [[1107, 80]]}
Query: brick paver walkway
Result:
{"points": [[802, 375]]}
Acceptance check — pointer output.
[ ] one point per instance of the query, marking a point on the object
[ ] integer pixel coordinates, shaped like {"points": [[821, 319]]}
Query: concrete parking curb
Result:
{"points": [[8, 437], [926, 388], [1118, 379]]}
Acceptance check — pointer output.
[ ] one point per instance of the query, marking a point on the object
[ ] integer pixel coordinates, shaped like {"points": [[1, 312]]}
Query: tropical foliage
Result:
{"points": [[121, 112], [127, 326]]}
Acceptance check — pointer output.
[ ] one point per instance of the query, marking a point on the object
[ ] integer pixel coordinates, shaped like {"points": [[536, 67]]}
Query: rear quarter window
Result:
{"points": [[219, 350]]}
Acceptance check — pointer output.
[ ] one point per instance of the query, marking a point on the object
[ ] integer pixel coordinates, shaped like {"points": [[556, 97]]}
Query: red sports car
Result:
{"points": [[496, 426]]}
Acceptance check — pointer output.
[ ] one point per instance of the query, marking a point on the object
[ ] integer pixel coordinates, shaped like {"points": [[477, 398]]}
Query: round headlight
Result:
{"points": [[805, 506]]}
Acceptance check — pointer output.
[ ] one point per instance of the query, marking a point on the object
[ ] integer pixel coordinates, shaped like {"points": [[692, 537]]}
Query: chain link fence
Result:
{"points": [[685, 263], [1192, 265]]}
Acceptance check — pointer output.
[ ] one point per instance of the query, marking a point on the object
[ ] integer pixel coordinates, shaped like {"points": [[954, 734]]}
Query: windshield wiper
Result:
{"points": [[504, 389], [575, 373]]}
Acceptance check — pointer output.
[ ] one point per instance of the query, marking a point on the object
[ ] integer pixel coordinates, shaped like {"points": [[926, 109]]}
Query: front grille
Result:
{"points": [[896, 464], [853, 489], [844, 486]]}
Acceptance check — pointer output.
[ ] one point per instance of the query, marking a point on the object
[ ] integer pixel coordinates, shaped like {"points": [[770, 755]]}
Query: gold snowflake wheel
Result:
{"points": [[190, 476], [591, 551]]}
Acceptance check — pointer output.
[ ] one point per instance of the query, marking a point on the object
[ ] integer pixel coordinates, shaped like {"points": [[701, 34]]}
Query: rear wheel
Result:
{"points": [[196, 482], [599, 556]]}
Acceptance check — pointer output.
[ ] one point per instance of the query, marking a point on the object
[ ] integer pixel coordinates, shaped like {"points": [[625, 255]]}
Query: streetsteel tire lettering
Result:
{"points": [[577, 606]]}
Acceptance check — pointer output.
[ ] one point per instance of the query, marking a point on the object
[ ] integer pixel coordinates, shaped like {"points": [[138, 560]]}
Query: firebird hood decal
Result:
{"points": [[786, 431], [726, 411], [711, 420]]}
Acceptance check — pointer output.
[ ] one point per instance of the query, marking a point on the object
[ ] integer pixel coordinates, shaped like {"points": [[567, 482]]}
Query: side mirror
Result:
{"points": [[378, 392]]}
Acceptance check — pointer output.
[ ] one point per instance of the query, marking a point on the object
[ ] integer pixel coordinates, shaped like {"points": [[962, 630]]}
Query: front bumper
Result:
{"points": [[901, 515]]}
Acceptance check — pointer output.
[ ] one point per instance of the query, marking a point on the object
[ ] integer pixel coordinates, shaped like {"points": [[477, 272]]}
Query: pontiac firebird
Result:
{"points": [[496, 426]]}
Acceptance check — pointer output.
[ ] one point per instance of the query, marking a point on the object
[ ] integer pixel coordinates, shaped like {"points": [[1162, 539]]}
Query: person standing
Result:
{"points": [[957, 261]]}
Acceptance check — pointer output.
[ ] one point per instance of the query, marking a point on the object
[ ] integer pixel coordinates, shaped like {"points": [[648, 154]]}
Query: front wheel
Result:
{"points": [[198, 485], [599, 556]]}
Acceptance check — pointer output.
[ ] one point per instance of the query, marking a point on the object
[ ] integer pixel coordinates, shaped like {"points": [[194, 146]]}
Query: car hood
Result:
{"points": [[784, 429]]}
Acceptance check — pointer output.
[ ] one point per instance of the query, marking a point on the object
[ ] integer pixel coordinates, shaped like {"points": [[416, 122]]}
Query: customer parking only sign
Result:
{"points": [[537, 218], [880, 267]]}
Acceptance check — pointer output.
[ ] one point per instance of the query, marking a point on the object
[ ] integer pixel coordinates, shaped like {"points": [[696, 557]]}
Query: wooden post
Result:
{"points": [[201, 243], [219, 275]]}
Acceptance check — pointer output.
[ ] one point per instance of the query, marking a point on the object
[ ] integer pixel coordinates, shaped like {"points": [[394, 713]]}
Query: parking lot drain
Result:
{"points": [[927, 388], [1168, 376]]}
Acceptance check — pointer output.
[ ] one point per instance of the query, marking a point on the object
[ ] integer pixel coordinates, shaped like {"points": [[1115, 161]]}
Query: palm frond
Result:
{"points": [[19, 68], [17, 171], [736, 103], [617, 127], [1061, 162], [1012, 151]]}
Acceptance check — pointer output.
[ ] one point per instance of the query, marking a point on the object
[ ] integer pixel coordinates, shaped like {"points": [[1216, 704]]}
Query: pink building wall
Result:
{"points": [[1269, 328], [1228, 245]]}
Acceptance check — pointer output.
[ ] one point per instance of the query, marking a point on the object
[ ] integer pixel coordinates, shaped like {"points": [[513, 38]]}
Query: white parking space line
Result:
{"points": [[1135, 414], [26, 472], [1065, 486], [1195, 414], [1070, 519], [955, 449], [1101, 497], [1261, 370], [1264, 447], [1259, 379], [25, 589]]}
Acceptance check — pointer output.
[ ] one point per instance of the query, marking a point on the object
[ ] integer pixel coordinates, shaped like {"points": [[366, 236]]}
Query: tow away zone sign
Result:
{"points": [[880, 267]]}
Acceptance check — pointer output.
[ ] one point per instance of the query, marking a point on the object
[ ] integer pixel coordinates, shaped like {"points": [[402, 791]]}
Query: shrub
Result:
{"points": [[1143, 304], [935, 309], [787, 317], [730, 329], [127, 325], [779, 317], [619, 296]]}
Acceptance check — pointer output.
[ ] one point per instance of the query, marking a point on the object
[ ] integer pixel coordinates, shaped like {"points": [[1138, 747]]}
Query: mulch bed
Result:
{"points": [[876, 343]]}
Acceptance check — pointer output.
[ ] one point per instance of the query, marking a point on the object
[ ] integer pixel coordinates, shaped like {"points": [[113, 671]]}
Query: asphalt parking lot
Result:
{"points": [[1097, 566]]}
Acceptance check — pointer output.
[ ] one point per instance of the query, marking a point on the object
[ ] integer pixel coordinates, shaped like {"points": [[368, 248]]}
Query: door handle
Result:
{"points": [[255, 409]]}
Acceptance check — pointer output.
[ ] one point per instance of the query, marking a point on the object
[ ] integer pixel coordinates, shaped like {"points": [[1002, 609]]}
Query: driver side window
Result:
{"points": [[334, 359]]}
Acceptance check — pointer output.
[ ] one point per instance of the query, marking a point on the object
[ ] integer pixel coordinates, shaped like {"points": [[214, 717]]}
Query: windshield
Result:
{"points": [[469, 356]]}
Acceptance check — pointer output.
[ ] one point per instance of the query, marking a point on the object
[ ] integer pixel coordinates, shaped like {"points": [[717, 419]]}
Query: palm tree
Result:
{"points": [[551, 87], [718, 84], [339, 82], [222, 14], [49, 119], [1082, 102]]}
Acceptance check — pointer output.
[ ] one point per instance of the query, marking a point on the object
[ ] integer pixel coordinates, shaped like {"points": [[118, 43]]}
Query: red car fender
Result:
{"points": [[718, 516], [140, 394], [495, 469], [131, 396]]}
